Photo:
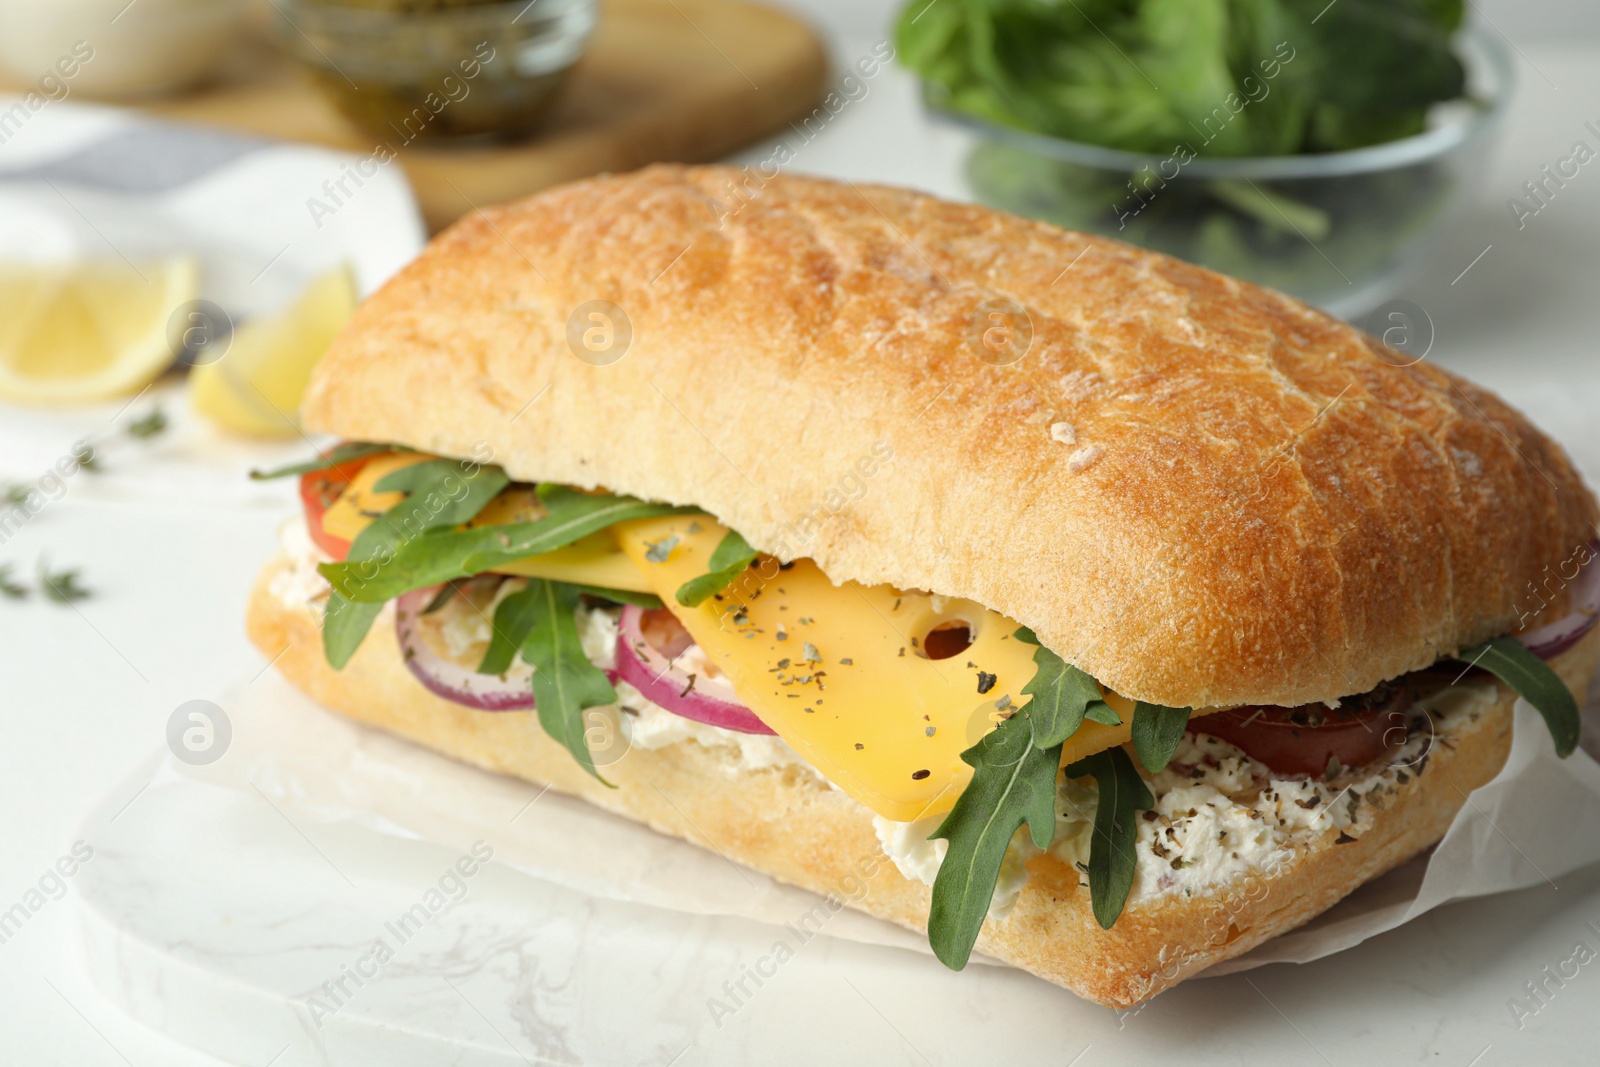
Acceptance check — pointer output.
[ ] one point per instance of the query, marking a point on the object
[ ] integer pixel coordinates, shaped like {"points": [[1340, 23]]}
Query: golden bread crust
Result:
{"points": [[1241, 500], [786, 823]]}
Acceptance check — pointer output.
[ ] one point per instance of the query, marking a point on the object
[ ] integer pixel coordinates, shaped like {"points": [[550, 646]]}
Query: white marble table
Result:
{"points": [[87, 694]]}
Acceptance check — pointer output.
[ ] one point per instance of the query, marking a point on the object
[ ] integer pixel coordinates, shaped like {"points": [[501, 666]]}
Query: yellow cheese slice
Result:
{"points": [[358, 505], [592, 560], [840, 673]]}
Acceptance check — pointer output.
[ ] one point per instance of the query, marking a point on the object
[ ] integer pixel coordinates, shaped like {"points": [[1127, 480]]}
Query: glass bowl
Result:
{"points": [[438, 70], [1342, 230], [117, 50]]}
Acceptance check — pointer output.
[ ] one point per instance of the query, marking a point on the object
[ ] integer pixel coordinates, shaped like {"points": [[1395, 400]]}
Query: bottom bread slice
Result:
{"points": [[788, 823]]}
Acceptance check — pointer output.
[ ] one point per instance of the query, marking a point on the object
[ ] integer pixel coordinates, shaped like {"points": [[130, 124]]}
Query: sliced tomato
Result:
{"points": [[318, 492], [1305, 740]]}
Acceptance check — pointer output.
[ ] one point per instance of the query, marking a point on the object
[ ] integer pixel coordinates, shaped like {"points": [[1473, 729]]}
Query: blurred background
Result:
{"points": [[195, 194]]}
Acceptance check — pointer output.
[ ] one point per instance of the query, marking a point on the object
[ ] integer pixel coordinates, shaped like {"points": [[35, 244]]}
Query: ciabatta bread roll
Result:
{"points": [[1199, 492]]}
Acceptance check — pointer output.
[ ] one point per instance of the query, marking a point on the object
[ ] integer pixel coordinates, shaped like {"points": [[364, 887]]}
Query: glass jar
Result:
{"points": [[437, 70]]}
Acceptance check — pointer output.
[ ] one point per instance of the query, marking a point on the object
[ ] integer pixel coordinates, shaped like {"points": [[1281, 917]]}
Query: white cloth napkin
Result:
{"points": [[81, 181]]}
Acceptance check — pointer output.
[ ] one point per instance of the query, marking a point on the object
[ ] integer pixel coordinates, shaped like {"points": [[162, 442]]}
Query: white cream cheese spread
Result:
{"points": [[1219, 816]]}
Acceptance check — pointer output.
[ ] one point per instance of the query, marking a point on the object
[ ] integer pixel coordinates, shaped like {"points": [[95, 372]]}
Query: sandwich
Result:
{"points": [[1057, 598]]}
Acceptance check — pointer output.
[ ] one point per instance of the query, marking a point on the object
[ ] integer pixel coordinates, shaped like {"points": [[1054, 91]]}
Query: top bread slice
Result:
{"points": [[1199, 491]]}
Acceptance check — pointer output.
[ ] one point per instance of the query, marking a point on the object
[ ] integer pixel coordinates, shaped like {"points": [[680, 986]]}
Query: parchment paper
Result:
{"points": [[1538, 820]]}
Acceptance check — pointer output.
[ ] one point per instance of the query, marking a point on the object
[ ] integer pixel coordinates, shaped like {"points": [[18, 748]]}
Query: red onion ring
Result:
{"points": [[1549, 641], [709, 701], [463, 685]]}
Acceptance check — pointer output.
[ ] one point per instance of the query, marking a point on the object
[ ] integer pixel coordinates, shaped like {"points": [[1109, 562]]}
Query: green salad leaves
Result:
{"points": [[1534, 681], [728, 560], [564, 681], [332, 458], [1014, 773], [1143, 75], [1187, 85], [514, 619], [1113, 857], [538, 623], [421, 541], [1063, 696], [1156, 733], [439, 493], [620, 596], [1013, 782], [449, 554]]}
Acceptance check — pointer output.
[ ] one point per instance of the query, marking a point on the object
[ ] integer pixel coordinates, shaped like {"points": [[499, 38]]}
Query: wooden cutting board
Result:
{"points": [[680, 80]]}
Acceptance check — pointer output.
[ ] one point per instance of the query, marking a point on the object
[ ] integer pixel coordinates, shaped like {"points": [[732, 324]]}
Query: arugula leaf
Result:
{"points": [[332, 458], [1157, 729], [443, 555], [620, 596], [1534, 681], [446, 593], [516, 614], [344, 626], [564, 681], [1101, 712], [514, 619], [438, 492], [1112, 856], [1062, 695], [1013, 782], [728, 560]]}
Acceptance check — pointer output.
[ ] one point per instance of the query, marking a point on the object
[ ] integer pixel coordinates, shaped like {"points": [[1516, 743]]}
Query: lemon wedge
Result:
{"points": [[255, 387], [77, 332]]}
